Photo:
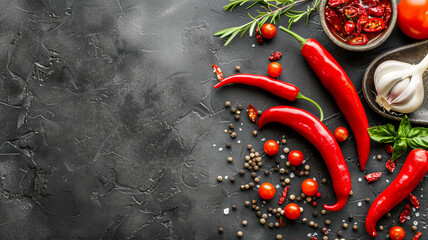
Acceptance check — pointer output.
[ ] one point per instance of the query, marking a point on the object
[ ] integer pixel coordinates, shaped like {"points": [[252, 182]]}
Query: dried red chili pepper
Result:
{"points": [[413, 171], [417, 236], [252, 113], [359, 39], [391, 165], [337, 82], [218, 72], [350, 12], [373, 176], [259, 36], [349, 27], [388, 12], [377, 11], [374, 25], [414, 201], [361, 20], [283, 195], [405, 213], [275, 56], [314, 238], [318, 134], [335, 3], [334, 19], [281, 221], [276, 87], [388, 149]]}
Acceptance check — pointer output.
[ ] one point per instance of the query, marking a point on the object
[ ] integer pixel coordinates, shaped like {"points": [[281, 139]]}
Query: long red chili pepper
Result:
{"points": [[276, 87], [317, 133], [283, 195], [417, 236], [414, 169], [335, 80], [405, 213]]}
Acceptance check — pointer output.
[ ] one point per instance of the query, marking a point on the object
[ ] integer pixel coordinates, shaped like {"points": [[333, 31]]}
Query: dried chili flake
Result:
{"points": [[283, 195], [218, 72], [389, 148], [405, 213], [417, 236], [390, 165], [281, 222], [252, 113], [314, 238], [259, 36], [373, 176], [413, 200], [275, 56]]}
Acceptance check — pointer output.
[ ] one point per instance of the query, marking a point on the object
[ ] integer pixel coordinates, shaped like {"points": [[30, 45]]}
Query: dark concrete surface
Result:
{"points": [[110, 127]]}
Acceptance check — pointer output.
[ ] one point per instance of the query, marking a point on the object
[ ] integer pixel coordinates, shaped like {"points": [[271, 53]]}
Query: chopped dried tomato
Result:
{"points": [[350, 12], [334, 19], [373, 176], [349, 27], [389, 148], [252, 113], [413, 200], [359, 39], [275, 56], [259, 36], [417, 236], [335, 3], [218, 72], [377, 11], [391, 165], [374, 25], [283, 195], [405, 213]]}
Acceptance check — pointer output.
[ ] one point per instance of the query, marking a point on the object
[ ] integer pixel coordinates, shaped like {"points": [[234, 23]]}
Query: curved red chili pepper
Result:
{"points": [[317, 133], [334, 78], [414, 169], [417, 236], [276, 87]]}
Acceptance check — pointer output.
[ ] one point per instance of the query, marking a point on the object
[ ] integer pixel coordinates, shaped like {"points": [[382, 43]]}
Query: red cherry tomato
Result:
{"points": [[271, 147], [274, 69], [341, 134], [359, 39], [310, 187], [412, 18], [397, 233], [295, 157], [292, 211], [374, 25], [266, 191], [268, 30]]}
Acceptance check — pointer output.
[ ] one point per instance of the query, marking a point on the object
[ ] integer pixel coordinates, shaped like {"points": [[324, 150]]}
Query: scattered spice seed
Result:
{"points": [[308, 199], [307, 167], [355, 227], [276, 169], [259, 112], [323, 212], [287, 180], [246, 165], [324, 238], [292, 197], [277, 224], [257, 209], [237, 117], [247, 186], [237, 68], [262, 221], [323, 180], [380, 228], [266, 172], [274, 210], [304, 220], [299, 199], [282, 170], [250, 146], [229, 159], [239, 234], [256, 168], [351, 218], [247, 204], [352, 193], [414, 228], [234, 207], [303, 195], [233, 110], [232, 179], [242, 187], [311, 223], [284, 141], [301, 173], [286, 150], [241, 172], [257, 154], [293, 168], [252, 151], [253, 174], [240, 107], [315, 225], [315, 214], [388, 215], [255, 133], [244, 223], [227, 104], [233, 135], [367, 200], [340, 233], [259, 214], [251, 184], [228, 145], [306, 173], [270, 225], [219, 178], [220, 230], [379, 157], [264, 215], [327, 222], [279, 237], [345, 225], [256, 180]]}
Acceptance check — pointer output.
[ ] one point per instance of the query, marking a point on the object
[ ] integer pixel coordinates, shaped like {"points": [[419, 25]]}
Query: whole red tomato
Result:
{"points": [[341, 134], [268, 30], [295, 157], [266, 191], [413, 18], [274, 69], [271, 147], [397, 233], [310, 187], [292, 211]]}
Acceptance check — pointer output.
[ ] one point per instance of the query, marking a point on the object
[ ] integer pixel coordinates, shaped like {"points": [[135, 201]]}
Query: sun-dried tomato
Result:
{"points": [[275, 56], [389, 148], [259, 36], [405, 213], [391, 165], [252, 113], [414, 201], [218, 72], [283, 195], [417, 236], [373, 176], [334, 19]]}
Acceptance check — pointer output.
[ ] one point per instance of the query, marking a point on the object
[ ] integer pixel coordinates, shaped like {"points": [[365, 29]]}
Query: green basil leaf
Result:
{"points": [[400, 148], [384, 133], [404, 128], [418, 138]]}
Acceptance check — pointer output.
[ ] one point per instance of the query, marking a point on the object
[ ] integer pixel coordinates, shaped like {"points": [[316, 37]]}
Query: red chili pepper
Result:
{"points": [[359, 39], [318, 134], [413, 171], [417, 236], [275, 56], [377, 11], [252, 113], [349, 27], [350, 12], [373, 176], [335, 3], [283, 195], [276, 87], [388, 12], [414, 201], [259, 36], [333, 18], [314, 238], [218, 72], [334, 78], [389, 148], [405, 213], [391, 165], [362, 20], [374, 25], [281, 221]]}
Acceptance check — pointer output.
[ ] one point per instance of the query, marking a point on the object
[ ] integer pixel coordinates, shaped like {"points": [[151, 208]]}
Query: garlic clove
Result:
{"points": [[413, 104], [398, 89], [388, 81], [408, 92], [389, 66]]}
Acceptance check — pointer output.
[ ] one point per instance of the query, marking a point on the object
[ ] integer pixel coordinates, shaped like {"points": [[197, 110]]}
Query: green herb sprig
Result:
{"points": [[272, 11], [404, 137]]}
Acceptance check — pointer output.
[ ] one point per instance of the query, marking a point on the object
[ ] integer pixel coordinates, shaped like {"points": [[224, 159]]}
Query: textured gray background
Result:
{"points": [[110, 128]]}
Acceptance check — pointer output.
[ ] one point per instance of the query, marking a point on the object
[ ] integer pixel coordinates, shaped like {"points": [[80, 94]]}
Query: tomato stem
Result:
{"points": [[301, 40], [300, 96]]}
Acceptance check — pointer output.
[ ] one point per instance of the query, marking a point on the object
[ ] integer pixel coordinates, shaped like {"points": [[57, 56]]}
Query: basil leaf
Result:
{"points": [[400, 148], [384, 133], [418, 138], [404, 128]]}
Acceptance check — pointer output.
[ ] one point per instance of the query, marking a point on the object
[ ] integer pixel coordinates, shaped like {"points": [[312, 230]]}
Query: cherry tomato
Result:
{"points": [[274, 69], [271, 147], [310, 187], [292, 211], [350, 12], [268, 30], [360, 39], [374, 25], [266, 191], [397, 233], [412, 18], [295, 157], [341, 134]]}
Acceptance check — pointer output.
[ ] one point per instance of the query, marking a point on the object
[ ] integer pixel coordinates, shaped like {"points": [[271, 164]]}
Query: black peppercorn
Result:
{"points": [[266, 172], [234, 207], [247, 204], [315, 214], [231, 126], [240, 107], [351, 218], [220, 230], [233, 134], [228, 145], [237, 117], [241, 172], [232, 179], [253, 174], [233, 110], [227, 104]]}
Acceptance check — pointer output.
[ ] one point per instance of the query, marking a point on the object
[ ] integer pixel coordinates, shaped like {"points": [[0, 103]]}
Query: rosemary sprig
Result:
{"points": [[280, 7]]}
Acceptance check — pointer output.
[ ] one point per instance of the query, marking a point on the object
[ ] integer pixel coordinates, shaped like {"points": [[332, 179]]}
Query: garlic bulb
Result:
{"points": [[399, 85]]}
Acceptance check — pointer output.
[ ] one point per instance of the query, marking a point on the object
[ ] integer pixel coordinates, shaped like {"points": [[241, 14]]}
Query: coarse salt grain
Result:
{"points": [[220, 149], [240, 129], [225, 177], [263, 139], [360, 179], [417, 214], [415, 223], [277, 186], [254, 45], [282, 157], [360, 204], [291, 175], [226, 211], [214, 145], [387, 180], [239, 141]]}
